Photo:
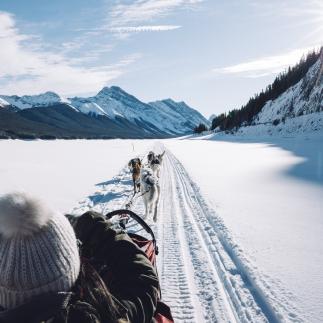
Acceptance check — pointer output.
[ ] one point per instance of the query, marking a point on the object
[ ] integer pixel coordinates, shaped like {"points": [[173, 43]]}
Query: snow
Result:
{"points": [[182, 115], [239, 225], [304, 126], [269, 196], [88, 107], [62, 172], [308, 124], [3, 103]]}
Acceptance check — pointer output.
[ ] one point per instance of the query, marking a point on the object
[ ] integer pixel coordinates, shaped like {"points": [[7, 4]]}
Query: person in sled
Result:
{"points": [[47, 275]]}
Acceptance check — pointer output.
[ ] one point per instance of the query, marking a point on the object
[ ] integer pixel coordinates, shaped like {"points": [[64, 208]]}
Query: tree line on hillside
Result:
{"points": [[244, 116]]}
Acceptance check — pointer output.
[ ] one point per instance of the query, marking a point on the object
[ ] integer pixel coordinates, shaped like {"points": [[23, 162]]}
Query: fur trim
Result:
{"points": [[21, 214]]}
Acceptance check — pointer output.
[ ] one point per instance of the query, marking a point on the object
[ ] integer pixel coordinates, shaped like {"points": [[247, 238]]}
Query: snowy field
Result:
{"points": [[240, 223], [62, 172], [270, 197]]}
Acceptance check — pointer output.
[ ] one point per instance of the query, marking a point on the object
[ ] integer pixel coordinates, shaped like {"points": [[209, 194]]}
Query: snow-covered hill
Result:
{"points": [[167, 116], [297, 110]]}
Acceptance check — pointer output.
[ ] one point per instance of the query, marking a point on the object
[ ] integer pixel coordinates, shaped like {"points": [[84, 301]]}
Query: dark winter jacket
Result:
{"points": [[125, 269]]}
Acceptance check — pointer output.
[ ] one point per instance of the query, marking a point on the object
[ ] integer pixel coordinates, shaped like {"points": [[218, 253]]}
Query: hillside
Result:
{"points": [[297, 109]]}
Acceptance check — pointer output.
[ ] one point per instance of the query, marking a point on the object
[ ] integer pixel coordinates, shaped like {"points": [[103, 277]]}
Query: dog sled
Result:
{"points": [[126, 218]]}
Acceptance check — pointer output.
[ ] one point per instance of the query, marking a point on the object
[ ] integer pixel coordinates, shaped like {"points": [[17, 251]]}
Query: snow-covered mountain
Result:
{"points": [[298, 110], [170, 116], [164, 118], [178, 115], [29, 101]]}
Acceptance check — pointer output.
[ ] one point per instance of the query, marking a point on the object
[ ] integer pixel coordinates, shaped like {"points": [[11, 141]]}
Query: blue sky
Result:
{"points": [[211, 54]]}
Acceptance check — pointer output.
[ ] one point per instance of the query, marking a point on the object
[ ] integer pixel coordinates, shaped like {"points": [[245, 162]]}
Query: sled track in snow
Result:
{"points": [[173, 265], [221, 290], [182, 255]]}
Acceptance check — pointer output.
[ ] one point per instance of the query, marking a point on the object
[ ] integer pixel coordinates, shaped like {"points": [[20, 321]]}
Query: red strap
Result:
{"points": [[163, 313], [159, 318]]}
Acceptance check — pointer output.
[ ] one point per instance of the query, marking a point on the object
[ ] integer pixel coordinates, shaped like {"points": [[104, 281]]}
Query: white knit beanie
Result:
{"points": [[38, 250]]}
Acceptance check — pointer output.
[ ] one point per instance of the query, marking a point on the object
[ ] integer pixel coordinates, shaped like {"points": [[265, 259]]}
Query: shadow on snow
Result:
{"points": [[310, 168]]}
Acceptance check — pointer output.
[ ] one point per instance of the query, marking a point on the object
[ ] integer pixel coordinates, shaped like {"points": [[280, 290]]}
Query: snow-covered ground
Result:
{"points": [[239, 224], [62, 171], [270, 197], [306, 125]]}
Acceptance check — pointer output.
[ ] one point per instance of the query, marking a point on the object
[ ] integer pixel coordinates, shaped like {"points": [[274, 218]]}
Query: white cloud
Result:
{"points": [[26, 68], [124, 19], [128, 30], [146, 10], [266, 65]]}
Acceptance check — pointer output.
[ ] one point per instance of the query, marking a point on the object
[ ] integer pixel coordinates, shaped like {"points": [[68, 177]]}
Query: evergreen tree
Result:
{"points": [[200, 128]]}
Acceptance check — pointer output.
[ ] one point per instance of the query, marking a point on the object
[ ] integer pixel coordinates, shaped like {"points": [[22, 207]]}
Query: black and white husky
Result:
{"points": [[155, 163], [150, 191], [150, 157]]}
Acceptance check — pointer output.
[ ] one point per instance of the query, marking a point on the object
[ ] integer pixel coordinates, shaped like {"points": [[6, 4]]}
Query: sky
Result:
{"points": [[212, 54]]}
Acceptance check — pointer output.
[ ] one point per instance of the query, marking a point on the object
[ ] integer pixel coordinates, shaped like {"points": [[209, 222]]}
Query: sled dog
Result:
{"points": [[135, 166], [150, 157], [155, 164], [150, 191]]}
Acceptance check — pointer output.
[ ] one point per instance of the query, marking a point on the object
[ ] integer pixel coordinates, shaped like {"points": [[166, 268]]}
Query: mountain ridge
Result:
{"points": [[121, 109]]}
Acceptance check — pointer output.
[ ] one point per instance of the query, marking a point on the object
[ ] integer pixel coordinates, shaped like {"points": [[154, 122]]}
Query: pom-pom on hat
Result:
{"points": [[38, 250]]}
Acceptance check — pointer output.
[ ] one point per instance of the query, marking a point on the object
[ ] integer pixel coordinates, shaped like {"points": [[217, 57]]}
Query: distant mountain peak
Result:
{"points": [[28, 101], [111, 91], [104, 91], [116, 88], [173, 102], [48, 94]]}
